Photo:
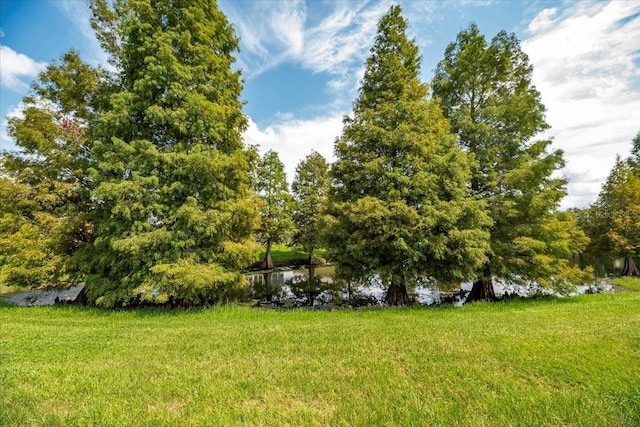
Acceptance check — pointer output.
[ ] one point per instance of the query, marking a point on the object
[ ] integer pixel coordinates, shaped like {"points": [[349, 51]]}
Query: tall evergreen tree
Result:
{"points": [[634, 160], [400, 204], [174, 221], [310, 191], [614, 219], [486, 92], [45, 191], [271, 185], [27, 256]]}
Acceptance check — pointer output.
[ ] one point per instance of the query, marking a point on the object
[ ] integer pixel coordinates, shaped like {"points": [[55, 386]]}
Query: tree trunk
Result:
{"points": [[630, 268], [482, 289], [269, 292], [397, 293], [268, 263], [311, 260], [82, 298]]}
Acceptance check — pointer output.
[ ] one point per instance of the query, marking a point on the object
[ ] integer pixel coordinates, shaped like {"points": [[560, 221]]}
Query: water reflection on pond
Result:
{"points": [[299, 288], [294, 288], [302, 288]]}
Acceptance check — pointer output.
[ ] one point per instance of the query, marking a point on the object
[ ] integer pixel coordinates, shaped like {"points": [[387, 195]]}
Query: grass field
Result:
{"points": [[550, 362], [631, 284], [283, 255]]}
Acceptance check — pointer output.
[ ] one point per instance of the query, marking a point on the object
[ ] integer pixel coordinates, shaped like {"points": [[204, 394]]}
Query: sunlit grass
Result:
{"points": [[283, 255], [8, 289], [628, 283], [552, 362]]}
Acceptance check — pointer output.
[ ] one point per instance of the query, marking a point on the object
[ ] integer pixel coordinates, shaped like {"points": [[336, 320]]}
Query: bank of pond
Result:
{"points": [[317, 288]]}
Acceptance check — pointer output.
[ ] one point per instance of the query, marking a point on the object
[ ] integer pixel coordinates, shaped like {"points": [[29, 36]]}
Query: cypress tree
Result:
{"points": [[44, 184], [174, 222], [400, 203], [614, 219], [275, 216], [310, 189], [486, 92]]}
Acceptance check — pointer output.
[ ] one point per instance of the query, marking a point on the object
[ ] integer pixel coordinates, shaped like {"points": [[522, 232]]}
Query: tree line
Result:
{"points": [[135, 180], [613, 222]]}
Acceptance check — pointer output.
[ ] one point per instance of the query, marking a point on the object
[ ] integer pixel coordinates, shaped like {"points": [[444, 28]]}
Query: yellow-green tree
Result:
{"points": [[486, 92], [614, 219], [310, 191], [271, 186], [400, 206], [44, 185], [174, 221]]}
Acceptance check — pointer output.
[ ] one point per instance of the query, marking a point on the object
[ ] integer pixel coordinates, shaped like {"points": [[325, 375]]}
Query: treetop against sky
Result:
{"points": [[302, 63]]}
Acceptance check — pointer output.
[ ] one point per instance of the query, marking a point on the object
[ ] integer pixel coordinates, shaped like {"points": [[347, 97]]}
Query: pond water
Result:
{"points": [[293, 288], [296, 288], [44, 296]]}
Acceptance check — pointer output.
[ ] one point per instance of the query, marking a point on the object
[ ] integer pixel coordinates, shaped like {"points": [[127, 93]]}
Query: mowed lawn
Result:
{"points": [[572, 361]]}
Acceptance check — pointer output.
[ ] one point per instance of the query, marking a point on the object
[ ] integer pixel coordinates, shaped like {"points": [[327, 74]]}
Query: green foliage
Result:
{"points": [[26, 242], [310, 191], [400, 204], [196, 283], [174, 60], [569, 361], [271, 186], [285, 256], [634, 160], [486, 92], [613, 221], [175, 218], [11, 221], [631, 284], [45, 190]]}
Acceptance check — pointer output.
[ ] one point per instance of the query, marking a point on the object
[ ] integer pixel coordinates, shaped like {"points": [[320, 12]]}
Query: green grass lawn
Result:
{"points": [[283, 255], [552, 362], [631, 284]]}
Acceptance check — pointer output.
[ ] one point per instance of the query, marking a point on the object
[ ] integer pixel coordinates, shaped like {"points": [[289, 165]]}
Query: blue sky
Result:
{"points": [[302, 62]]}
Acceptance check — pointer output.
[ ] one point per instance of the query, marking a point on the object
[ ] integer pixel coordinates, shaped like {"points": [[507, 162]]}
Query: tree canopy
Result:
{"points": [[135, 179], [175, 220], [310, 191], [613, 221], [45, 190], [486, 92], [400, 204], [271, 185], [142, 169]]}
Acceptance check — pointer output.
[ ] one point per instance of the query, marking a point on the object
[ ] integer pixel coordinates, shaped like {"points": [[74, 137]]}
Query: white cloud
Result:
{"points": [[14, 66], [342, 39], [333, 38], [270, 33], [294, 139], [6, 143], [586, 68], [543, 21], [287, 26], [79, 14]]}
